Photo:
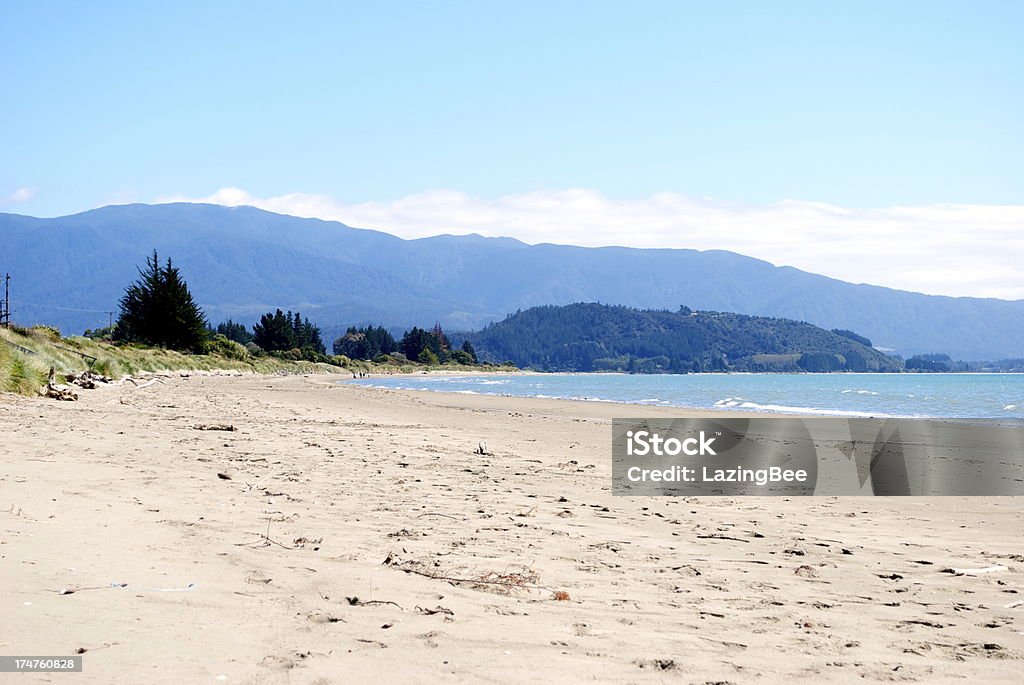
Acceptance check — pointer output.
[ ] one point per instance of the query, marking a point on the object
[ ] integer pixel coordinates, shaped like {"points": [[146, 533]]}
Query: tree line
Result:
{"points": [[158, 310], [417, 344]]}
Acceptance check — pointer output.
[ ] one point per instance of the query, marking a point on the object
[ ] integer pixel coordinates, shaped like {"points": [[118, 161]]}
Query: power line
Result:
{"points": [[66, 309]]}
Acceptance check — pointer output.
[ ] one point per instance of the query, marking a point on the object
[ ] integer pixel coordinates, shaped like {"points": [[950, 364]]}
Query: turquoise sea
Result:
{"points": [[919, 395]]}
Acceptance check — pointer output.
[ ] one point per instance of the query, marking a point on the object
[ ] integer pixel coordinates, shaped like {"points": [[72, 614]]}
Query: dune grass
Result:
{"points": [[26, 356]]}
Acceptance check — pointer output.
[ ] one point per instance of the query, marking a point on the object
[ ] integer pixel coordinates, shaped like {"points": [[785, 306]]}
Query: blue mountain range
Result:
{"points": [[241, 262]]}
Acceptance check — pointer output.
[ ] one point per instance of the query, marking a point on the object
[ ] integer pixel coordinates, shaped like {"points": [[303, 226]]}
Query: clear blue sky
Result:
{"points": [[861, 104]]}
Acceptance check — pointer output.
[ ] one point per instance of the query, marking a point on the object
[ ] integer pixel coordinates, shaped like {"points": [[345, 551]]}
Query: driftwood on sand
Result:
{"points": [[58, 391], [87, 380]]}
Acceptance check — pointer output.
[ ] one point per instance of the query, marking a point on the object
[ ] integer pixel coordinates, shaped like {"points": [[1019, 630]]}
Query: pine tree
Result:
{"points": [[280, 332], [234, 331], [274, 332], [158, 309], [441, 338]]}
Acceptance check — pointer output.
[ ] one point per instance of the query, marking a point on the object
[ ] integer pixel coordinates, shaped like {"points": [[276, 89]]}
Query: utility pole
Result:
{"points": [[5, 311]]}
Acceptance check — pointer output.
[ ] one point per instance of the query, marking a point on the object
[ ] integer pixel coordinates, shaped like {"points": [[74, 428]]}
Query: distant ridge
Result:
{"points": [[242, 261]]}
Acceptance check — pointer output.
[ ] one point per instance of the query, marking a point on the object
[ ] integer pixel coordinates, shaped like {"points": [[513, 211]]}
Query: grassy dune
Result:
{"points": [[26, 356]]}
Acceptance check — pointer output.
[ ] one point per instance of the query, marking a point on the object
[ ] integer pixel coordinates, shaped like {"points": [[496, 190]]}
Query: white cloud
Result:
{"points": [[18, 196], [943, 249]]}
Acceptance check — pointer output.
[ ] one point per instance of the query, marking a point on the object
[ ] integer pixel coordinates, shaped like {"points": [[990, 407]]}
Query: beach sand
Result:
{"points": [[300, 547]]}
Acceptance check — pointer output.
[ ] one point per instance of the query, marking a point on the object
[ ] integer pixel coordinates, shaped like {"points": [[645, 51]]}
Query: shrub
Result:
{"points": [[229, 349], [21, 377], [819, 362], [462, 357], [46, 333], [105, 366], [254, 349], [427, 357]]}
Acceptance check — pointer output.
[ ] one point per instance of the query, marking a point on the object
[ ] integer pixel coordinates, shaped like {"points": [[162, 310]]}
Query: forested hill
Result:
{"points": [[596, 337]]}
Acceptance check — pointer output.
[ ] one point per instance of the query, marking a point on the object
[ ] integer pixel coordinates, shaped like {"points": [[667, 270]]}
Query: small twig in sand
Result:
{"points": [[436, 610], [716, 536], [975, 571], [105, 645], [434, 513], [356, 602], [14, 511], [214, 427], [264, 540], [73, 590]]}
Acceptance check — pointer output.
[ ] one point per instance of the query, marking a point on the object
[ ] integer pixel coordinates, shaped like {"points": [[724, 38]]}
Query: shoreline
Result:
{"points": [[752, 409]]}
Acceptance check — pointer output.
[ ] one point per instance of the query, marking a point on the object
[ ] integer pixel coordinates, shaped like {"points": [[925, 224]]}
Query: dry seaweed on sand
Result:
{"points": [[507, 581]]}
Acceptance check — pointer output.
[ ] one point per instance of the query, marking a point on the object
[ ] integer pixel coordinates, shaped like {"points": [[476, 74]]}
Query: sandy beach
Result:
{"points": [[351, 534]]}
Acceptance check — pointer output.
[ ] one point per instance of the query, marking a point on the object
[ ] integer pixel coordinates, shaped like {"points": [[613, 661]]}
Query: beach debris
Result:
{"points": [[806, 571], [105, 645], [264, 539], [302, 541], [481, 448], [436, 610], [143, 385], [15, 510], [561, 596], [57, 391], [505, 582], [188, 588], [356, 602], [1014, 605], [318, 616], [214, 427], [223, 476], [115, 585], [975, 571], [720, 536], [434, 513], [656, 664], [87, 380], [72, 590]]}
